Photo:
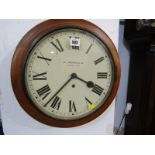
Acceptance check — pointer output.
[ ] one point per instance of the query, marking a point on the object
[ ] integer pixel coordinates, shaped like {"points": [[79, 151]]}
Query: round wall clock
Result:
{"points": [[65, 73]]}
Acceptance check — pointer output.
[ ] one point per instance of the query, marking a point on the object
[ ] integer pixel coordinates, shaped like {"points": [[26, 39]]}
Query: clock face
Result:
{"points": [[69, 74], [65, 73]]}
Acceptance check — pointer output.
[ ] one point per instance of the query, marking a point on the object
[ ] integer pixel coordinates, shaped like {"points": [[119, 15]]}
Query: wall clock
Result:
{"points": [[65, 73]]}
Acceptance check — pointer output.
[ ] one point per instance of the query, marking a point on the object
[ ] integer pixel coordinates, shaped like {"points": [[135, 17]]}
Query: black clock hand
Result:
{"points": [[72, 77], [90, 84]]}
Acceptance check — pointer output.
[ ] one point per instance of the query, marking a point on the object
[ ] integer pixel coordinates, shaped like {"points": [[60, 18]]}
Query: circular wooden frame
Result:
{"points": [[19, 60]]}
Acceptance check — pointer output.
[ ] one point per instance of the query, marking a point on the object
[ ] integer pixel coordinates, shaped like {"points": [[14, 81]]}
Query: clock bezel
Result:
{"points": [[20, 57]]}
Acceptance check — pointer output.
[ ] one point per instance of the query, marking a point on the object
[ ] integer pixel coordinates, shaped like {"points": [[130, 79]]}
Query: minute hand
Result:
{"points": [[72, 76]]}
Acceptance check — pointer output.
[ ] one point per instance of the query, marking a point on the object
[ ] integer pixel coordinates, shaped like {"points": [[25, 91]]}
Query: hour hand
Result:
{"points": [[89, 84]]}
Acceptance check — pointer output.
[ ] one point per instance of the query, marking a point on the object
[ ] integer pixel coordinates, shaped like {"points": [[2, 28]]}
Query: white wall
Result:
{"points": [[15, 120], [122, 91]]}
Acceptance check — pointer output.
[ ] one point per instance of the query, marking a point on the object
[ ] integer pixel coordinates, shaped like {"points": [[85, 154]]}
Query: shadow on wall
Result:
{"points": [[1, 129]]}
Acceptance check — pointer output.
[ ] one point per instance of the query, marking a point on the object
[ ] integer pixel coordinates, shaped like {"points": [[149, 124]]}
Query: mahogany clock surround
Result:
{"points": [[20, 57]]}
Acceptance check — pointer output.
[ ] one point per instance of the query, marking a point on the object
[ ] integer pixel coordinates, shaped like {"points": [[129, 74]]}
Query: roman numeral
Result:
{"points": [[47, 60], [41, 76], [44, 91], [98, 60], [72, 107], [88, 101], [102, 75], [97, 89], [89, 48], [56, 103], [57, 45]]}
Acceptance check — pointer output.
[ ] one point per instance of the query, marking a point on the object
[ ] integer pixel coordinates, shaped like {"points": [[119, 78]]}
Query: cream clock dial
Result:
{"points": [[73, 56], [65, 73]]}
